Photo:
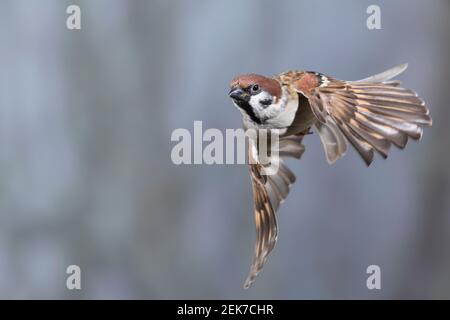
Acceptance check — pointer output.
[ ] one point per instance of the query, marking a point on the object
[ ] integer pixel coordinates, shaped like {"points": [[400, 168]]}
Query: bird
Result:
{"points": [[371, 115]]}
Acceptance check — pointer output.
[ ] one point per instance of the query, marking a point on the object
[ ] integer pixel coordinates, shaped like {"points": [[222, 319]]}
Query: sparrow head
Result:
{"points": [[256, 96]]}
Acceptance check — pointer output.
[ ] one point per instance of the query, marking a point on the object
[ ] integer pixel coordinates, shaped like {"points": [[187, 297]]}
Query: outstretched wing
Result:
{"points": [[372, 113], [268, 192]]}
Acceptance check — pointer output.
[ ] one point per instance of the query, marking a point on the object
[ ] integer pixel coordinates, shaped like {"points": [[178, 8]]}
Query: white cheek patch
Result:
{"points": [[256, 99], [264, 111]]}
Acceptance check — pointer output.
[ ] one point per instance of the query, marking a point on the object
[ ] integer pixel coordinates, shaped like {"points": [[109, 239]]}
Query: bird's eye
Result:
{"points": [[255, 88]]}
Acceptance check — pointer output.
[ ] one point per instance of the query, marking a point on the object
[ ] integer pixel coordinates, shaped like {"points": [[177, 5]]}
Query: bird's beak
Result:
{"points": [[238, 94]]}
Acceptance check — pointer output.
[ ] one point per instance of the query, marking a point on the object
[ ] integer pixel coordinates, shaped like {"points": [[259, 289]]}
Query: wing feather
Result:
{"points": [[386, 75], [372, 113], [269, 191]]}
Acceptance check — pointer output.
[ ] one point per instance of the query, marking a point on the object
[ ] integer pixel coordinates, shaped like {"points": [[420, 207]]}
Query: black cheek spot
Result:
{"points": [[266, 102]]}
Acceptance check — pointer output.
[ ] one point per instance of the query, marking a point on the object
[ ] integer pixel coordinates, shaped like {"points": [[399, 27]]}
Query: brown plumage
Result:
{"points": [[372, 114], [270, 85]]}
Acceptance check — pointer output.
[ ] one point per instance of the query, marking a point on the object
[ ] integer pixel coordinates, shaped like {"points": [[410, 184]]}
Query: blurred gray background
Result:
{"points": [[85, 170]]}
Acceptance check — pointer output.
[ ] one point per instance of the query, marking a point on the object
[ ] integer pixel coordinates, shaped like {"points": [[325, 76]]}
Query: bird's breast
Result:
{"points": [[285, 118]]}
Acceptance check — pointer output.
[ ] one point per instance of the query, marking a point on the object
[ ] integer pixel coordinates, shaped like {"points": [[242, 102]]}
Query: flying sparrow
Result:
{"points": [[371, 114]]}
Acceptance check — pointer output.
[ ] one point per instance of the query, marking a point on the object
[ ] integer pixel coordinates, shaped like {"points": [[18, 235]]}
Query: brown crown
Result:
{"points": [[267, 84]]}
